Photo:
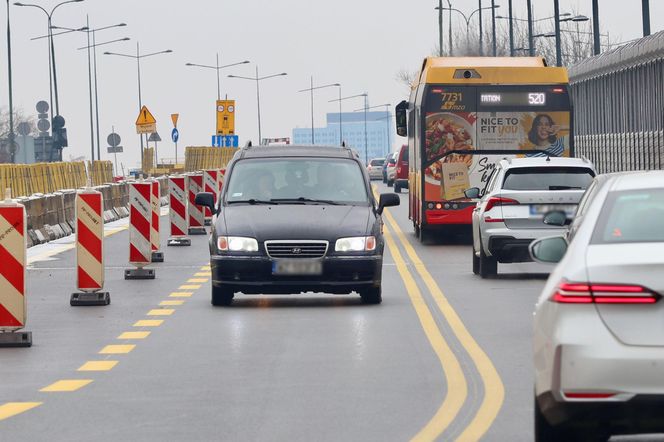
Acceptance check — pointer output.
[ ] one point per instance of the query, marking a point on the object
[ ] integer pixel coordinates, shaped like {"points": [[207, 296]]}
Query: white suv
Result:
{"points": [[509, 215]]}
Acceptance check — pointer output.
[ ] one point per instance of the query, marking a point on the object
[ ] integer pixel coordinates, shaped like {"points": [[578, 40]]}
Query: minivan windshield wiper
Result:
{"points": [[252, 201], [304, 200]]}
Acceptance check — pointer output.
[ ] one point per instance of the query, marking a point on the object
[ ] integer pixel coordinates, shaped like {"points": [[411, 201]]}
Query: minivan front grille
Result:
{"points": [[296, 249]]}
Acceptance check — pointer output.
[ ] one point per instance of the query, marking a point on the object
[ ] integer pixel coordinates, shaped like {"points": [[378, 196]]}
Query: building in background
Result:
{"points": [[379, 131]]}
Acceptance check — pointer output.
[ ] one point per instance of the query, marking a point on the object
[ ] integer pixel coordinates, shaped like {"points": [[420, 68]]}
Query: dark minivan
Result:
{"points": [[296, 219]]}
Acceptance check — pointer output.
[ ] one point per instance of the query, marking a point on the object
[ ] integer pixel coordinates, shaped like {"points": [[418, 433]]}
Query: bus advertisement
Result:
{"points": [[460, 126]]}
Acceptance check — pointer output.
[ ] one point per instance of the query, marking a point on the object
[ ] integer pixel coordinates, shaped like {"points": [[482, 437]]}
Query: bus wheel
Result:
{"points": [[416, 229], [488, 265], [423, 234]]}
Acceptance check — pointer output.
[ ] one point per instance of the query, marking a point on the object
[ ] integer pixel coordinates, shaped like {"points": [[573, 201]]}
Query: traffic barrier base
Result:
{"points": [[157, 256], [141, 273], [16, 339], [197, 231], [179, 242], [89, 299]]}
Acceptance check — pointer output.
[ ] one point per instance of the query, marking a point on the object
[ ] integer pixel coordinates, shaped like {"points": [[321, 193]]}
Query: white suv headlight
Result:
{"points": [[356, 244], [237, 244]]}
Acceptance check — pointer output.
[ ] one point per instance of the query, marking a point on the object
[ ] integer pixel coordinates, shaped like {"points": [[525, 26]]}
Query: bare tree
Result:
{"points": [[19, 117]]}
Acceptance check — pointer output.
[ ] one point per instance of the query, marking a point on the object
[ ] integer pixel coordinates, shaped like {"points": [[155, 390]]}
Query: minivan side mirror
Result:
{"points": [[549, 250], [205, 199], [401, 119], [555, 218], [472, 193], [388, 200]]}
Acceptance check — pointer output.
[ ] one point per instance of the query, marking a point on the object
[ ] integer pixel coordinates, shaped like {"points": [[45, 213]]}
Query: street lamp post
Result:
{"points": [[440, 28], [258, 79], [366, 140], [469, 17], [311, 90], [556, 14], [52, 69], [12, 150], [217, 68], [138, 58], [94, 46], [387, 111]]}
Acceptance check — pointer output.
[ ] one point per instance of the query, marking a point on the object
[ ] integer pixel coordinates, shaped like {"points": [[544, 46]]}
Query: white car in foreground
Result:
{"points": [[599, 322]]}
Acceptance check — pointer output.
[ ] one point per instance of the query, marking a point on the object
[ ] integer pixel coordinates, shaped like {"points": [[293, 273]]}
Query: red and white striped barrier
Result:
{"points": [[13, 305], [177, 203], [89, 250], [140, 222], [211, 180], [196, 215], [155, 239], [222, 174]]}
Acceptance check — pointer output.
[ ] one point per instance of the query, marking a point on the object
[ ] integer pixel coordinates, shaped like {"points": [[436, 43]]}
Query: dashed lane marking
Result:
{"points": [[189, 287], [134, 335], [171, 303], [161, 312], [149, 323], [197, 280], [98, 366], [206, 274], [180, 295], [206, 268], [11, 409], [66, 385], [117, 349]]}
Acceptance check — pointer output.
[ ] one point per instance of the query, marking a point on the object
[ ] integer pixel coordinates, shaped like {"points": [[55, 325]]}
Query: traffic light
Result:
{"points": [[59, 132]]}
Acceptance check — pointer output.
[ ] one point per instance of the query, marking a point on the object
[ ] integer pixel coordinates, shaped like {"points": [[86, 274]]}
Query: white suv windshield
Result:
{"points": [[548, 178], [297, 180]]}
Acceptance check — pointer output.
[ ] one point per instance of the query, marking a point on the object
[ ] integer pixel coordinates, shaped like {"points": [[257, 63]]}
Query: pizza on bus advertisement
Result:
{"points": [[447, 175]]}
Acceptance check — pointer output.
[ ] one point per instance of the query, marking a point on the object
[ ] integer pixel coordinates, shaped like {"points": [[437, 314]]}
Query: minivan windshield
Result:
{"points": [[297, 181], [548, 178]]}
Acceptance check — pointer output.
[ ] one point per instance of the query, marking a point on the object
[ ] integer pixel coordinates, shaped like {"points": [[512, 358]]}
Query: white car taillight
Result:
{"points": [[582, 293]]}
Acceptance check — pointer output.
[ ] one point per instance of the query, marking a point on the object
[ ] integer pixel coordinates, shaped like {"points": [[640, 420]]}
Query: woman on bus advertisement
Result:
{"points": [[544, 135]]}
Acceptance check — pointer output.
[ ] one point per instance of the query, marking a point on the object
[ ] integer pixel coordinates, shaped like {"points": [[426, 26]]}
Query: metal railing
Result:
{"points": [[618, 101]]}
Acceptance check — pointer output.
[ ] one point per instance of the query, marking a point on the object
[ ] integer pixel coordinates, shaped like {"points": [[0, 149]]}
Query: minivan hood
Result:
{"points": [[295, 221]]}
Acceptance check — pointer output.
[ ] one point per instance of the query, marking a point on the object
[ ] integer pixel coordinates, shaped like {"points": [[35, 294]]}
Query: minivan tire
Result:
{"points": [[488, 265], [372, 295], [221, 296]]}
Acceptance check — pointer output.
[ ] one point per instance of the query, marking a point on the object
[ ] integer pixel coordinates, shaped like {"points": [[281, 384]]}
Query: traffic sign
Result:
{"points": [[114, 140], [225, 117], [175, 135], [145, 123], [174, 118], [42, 107], [154, 137], [114, 149], [225, 140], [24, 128]]}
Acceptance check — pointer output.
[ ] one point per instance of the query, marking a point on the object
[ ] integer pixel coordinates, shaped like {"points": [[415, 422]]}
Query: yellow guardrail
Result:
{"points": [[199, 158], [28, 179]]}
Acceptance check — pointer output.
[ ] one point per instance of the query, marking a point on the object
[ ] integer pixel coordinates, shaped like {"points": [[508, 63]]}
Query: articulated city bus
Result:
{"points": [[465, 114]]}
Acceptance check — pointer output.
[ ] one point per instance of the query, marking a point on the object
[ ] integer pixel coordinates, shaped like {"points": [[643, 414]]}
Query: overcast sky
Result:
{"points": [[361, 44]]}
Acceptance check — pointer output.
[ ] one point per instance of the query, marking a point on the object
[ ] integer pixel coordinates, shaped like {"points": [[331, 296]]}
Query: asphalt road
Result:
{"points": [[446, 356]]}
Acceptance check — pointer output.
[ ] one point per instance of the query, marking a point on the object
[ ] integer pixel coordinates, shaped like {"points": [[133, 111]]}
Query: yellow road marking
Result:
{"points": [[167, 303], [65, 247], [134, 335], [98, 366], [206, 268], [197, 280], [149, 323], [117, 349], [66, 385], [161, 312], [180, 295], [189, 287], [494, 390], [11, 409], [457, 389], [203, 274]]}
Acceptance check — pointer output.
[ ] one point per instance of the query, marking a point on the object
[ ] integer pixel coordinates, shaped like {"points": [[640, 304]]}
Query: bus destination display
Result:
{"points": [[513, 99]]}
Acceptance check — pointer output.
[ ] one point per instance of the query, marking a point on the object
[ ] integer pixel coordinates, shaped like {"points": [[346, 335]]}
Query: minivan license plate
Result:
{"points": [[297, 267]]}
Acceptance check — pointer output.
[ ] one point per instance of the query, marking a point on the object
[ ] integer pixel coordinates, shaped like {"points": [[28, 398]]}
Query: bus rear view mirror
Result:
{"points": [[401, 118]]}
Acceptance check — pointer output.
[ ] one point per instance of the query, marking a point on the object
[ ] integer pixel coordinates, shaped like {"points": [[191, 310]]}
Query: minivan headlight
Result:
{"points": [[356, 244], [237, 244]]}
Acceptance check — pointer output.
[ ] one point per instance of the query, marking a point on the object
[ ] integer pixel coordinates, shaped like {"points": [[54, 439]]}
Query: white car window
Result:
{"points": [[630, 217]]}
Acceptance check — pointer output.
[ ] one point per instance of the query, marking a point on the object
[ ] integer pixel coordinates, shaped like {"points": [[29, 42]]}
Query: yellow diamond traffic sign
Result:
{"points": [[146, 122]]}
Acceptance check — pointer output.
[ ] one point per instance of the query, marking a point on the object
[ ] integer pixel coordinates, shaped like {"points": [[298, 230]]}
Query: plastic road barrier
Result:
{"points": [[155, 204], [90, 250], [196, 216], [13, 305], [177, 203], [211, 184], [140, 221]]}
